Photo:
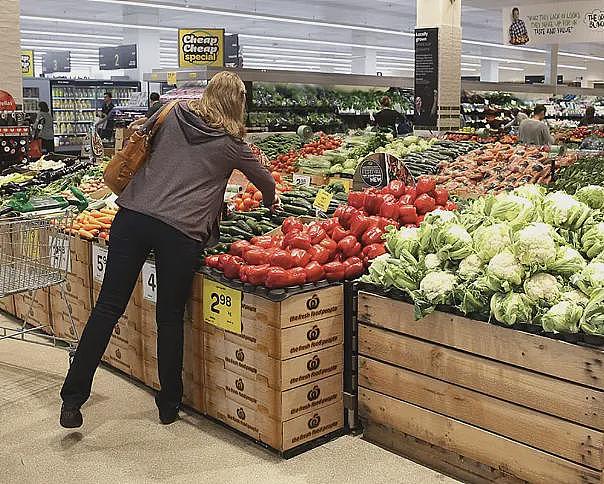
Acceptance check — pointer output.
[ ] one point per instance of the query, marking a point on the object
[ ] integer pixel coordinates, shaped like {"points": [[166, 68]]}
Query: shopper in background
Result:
{"points": [[154, 104], [387, 117], [172, 207], [104, 125], [590, 117], [43, 128], [535, 131], [107, 104], [517, 118]]}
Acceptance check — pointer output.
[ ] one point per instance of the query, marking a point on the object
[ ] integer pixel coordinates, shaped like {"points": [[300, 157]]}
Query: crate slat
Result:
{"points": [[560, 437], [556, 397], [517, 459], [572, 362]]}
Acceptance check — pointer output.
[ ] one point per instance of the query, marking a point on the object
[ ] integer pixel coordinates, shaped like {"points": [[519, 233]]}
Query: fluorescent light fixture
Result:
{"points": [[91, 51], [65, 42], [115, 25], [502, 46], [324, 42], [504, 68], [300, 51], [255, 16], [298, 57], [578, 68], [500, 59], [396, 68], [71, 34], [581, 56]]}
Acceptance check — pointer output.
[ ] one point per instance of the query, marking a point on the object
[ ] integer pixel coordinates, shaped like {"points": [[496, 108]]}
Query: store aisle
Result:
{"points": [[121, 441]]}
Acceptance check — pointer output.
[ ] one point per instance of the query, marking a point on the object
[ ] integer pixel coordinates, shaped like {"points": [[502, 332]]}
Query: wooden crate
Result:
{"points": [[478, 401], [36, 312], [7, 304]]}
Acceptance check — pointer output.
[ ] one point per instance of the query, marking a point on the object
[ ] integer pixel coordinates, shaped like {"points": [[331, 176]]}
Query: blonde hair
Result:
{"points": [[222, 105]]}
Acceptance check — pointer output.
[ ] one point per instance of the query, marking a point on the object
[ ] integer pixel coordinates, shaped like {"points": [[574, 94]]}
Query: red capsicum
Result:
{"points": [[412, 192], [344, 214], [291, 224], [232, 267], [256, 275], [330, 224], [243, 273], [354, 268], [212, 261], [263, 241], [407, 214], [424, 204], [389, 210], [277, 277], [358, 227], [372, 235], [329, 244], [256, 256], [339, 233], [237, 248], [316, 233], [297, 276], [314, 272], [373, 250], [406, 200], [425, 184], [223, 259], [281, 258], [356, 199], [349, 246], [320, 254], [441, 196], [300, 240], [397, 188], [300, 257], [373, 202], [334, 271], [383, 222]]}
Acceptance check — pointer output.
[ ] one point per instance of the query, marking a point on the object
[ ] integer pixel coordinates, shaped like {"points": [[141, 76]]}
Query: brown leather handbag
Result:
{"points": [[126, 162]]}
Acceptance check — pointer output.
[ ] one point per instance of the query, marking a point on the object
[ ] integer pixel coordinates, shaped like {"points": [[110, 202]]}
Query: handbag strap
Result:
{"points": [[162, 117]]}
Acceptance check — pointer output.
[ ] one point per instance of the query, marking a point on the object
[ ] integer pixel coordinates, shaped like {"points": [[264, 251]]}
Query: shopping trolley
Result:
{"points": [[35, 254]]}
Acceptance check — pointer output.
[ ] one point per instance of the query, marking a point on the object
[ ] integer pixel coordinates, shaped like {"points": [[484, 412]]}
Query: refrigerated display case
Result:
{"points": [[76, 104]]}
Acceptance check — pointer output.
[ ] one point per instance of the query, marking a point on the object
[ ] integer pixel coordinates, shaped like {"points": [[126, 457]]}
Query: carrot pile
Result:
{"points": [[91, 224]]}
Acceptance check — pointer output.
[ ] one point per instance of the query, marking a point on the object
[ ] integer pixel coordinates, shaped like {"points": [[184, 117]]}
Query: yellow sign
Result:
{"points": [[345, 182], [322, 200], [222, 306], [27, 63], [201, 47], [172, 78]]}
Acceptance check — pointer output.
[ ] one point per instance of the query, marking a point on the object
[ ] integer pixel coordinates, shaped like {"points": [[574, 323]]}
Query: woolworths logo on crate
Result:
{"points": [[313, 333], [313, 363], [314, 421], [241, 413], [313, 302], [314, 393], [240, 355]]}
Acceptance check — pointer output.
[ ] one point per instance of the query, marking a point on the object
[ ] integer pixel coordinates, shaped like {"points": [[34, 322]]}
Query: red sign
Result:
{"points": [[7, 102]]}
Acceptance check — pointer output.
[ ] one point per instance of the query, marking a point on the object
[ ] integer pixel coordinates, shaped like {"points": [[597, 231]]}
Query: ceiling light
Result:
{"points": [[578, 68], [502, 46], [385, 57], [91, 51], [255, 16], [301, 51], [71, 34], [65, 42], [325, 42], [97, 22], [298, 57], [504, 68], [581, 56]]}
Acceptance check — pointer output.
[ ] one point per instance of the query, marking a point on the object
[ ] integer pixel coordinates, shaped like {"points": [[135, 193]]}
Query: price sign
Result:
{"points": [[301, 180], [322, 200], [99, 262], [149, 282], [59, 252], [172, 78], [222, 306]]}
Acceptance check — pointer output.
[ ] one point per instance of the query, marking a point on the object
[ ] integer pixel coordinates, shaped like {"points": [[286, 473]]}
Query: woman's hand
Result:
{"points": [[276, 204]]}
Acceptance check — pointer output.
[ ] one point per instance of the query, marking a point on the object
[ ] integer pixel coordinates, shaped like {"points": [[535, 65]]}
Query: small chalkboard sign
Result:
{"points": [[372, 172]]}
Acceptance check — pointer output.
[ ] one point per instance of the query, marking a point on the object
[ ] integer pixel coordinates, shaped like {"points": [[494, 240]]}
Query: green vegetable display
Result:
{"points": [[585, 171]]}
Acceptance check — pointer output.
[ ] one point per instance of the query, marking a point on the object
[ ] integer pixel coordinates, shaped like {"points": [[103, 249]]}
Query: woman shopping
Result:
{"points": [[43, 129], [172, 207]]}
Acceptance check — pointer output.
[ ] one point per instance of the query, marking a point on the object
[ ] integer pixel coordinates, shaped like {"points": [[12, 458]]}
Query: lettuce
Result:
{"points": [[592, 321], [535, 246], [473, 297], [592, 242], [511, 308], [568, 261], [543, 288], [562, 210], [504, 271], [430, 227], [575, 296], [491, 239], [591, 195], [407, 238], [563, 317]]}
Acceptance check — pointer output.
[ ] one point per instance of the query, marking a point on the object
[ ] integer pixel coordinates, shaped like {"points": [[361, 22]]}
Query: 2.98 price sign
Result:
{"points": [[222, 306]]}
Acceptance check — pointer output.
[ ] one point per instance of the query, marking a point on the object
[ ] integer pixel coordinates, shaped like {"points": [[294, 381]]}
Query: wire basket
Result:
{"points": [[34, 251]]}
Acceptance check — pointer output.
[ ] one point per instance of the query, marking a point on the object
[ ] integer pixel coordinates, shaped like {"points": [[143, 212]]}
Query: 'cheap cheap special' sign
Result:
{"points": [[201, 47]]}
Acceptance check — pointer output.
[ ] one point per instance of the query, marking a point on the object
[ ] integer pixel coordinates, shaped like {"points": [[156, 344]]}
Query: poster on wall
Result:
{"points": [[554, 23], [27, 63], [119, 57], [426, 78], [201, 47]]}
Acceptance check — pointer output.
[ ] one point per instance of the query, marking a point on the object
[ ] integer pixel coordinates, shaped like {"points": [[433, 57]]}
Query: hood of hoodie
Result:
{"points": [[195, 128]]}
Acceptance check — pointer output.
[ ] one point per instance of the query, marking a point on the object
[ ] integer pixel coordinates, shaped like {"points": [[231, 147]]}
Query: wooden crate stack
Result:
{"points": [[280, 380], [477, 401]]}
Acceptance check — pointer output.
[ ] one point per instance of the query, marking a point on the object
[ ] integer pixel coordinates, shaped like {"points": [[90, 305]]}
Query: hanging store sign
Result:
{"points": [[119, 57], [56, 62], [426, 78], [201, 47], [554, 23], [27, 63]]}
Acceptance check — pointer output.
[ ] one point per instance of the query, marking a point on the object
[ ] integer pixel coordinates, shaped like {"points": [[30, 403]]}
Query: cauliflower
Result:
{"points": [[470, 267], [542, 287], [504, 270], [535, 245], [492, 239], [437, 285]]}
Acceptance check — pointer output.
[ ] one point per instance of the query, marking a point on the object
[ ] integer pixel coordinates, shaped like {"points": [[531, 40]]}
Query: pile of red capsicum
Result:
{"points": [[327, 249], [406, 205]]}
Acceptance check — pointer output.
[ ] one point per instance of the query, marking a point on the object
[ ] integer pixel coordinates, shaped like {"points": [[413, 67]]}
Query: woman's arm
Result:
{"points": [[245, 161]]}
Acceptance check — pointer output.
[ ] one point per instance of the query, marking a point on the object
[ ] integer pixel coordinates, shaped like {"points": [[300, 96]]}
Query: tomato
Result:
{"points": [[247, 203], [257, 196]]}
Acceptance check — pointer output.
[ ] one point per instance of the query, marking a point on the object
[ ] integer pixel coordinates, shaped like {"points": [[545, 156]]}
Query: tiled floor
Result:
{"points": [[122, 442]]}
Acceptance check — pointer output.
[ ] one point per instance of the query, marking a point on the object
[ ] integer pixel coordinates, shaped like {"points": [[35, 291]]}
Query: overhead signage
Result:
{"points": [[541, 79], [119, 57], [200, 47], [231, 51], [426, 78], [554, 23], [56, 62], [27, 63]]}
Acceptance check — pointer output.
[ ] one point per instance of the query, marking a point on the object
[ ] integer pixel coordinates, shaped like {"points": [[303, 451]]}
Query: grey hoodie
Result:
{"points": [[183, 181]]}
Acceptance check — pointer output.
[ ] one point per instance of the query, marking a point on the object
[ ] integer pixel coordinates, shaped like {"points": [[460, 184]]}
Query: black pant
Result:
{"points": [[48, 145], [133, 236]]}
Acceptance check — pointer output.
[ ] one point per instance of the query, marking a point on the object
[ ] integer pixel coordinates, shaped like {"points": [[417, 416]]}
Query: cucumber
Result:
{"points": [[254, 225], [228, 223], [295, 210], [243, 225], [240, 233], [227, 239]]}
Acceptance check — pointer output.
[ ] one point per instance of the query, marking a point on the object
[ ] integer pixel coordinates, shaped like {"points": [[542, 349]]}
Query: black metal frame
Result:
{"points": [[352, 423]]}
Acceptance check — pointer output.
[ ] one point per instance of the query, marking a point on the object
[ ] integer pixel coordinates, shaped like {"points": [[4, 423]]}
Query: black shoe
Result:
{"points": [[71, 418], [168, 417]]}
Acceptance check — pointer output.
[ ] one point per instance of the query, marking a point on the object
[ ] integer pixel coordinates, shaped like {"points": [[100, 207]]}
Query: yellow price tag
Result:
{"points": [[172, 78], [192, 75], [345, 182], [322, 200], [222, 306], [154, 76]]}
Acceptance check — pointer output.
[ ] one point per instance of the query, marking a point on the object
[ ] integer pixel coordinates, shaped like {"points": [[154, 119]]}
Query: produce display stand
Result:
{"points": [[477, 401]]}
